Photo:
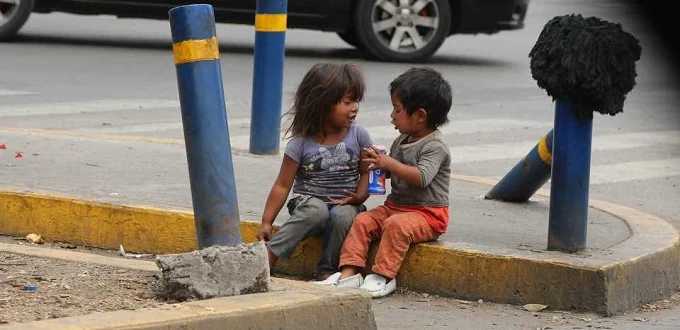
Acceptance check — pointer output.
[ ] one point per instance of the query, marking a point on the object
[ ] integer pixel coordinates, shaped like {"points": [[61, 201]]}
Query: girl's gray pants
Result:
{"points": [[310, 216]]}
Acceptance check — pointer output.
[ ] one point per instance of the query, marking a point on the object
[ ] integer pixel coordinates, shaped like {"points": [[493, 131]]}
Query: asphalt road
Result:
{"points": [[94, 95]]}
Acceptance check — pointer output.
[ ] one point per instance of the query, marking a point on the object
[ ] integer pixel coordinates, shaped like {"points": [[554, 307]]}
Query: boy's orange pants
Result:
{"points": [[396, 229]]}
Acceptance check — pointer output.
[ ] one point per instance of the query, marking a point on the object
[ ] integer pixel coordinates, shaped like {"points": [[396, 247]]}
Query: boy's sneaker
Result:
{"points": [[378, 286], [330, 280], [355, 281]]}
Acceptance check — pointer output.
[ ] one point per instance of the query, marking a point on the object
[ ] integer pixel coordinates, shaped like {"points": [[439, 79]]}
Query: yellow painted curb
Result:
{"points": [[95, 224], [641, 269], [139, 229]]}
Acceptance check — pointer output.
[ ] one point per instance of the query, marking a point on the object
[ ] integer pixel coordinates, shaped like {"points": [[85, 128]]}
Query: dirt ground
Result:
{"points": [[37, 288], [69, 289]]}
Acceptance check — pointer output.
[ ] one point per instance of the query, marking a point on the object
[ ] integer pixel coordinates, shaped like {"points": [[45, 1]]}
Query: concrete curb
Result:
{"points": [[640, 269], [288, 305]]}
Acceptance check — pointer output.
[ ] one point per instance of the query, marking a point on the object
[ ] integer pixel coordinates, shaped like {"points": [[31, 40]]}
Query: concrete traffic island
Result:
{"points": [[287, 305], [637, 266]]}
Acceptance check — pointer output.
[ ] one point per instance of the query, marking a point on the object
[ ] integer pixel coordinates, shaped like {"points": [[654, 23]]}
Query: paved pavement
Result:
{"points": [[114, 83], [139, 163], [125, 145], [85, 161]]}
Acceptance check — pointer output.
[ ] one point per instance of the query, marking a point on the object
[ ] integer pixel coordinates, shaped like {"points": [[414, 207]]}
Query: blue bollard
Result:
{"points": [[568, 217], [270, 38], [206, 133], [529, 175]]}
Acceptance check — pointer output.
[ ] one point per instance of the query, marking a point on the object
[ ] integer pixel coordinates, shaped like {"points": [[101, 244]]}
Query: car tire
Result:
{"points": [[349, 37], [13, 16], [402, 30]]}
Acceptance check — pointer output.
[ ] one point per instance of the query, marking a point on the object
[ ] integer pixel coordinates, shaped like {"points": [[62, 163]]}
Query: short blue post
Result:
{"points": [[568, 217], [270, 38], [529, 175], [206, 133]]}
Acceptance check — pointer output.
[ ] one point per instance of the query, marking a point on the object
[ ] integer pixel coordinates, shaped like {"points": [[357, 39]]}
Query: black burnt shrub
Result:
{"points": [[587, 61]]}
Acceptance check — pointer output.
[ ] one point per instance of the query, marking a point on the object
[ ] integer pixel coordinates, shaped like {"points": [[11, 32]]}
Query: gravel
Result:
{"points": [[34, 288]]}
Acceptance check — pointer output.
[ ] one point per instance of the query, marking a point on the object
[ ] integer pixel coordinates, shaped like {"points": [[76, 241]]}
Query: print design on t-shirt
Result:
{"points": [[337, 159]]}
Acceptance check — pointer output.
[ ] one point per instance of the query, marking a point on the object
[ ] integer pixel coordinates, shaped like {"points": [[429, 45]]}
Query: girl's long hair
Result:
{"points": [[324, 86]]}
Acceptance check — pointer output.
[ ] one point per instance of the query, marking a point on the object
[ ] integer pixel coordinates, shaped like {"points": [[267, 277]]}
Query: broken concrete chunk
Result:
{"points": [[534, 307], [215, 272], [35, 238]]}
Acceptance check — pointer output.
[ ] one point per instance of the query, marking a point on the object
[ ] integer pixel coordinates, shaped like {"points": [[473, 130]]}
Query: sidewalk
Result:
{"points": [[493, 251]]}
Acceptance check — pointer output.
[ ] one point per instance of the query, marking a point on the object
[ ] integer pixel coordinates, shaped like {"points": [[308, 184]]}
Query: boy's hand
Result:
{"points": [[265, 233], [375, 159], [351, 198]]}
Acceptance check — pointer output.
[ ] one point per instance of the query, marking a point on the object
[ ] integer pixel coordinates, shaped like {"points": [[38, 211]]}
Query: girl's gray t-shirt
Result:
{"points": [[328, 171]]}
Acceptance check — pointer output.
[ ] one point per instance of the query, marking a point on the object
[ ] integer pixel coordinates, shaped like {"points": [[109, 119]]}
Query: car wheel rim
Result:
{"points": [[404, 26], [8, 9]]}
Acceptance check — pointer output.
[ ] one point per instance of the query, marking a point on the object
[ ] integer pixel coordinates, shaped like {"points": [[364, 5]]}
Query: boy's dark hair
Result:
{"points": [[424, 88], [324, 86]]}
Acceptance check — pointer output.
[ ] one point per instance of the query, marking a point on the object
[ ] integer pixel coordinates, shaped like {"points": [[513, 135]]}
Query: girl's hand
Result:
{"points": [[375, 159], [363, 166], [265, 232], [351, 198]]}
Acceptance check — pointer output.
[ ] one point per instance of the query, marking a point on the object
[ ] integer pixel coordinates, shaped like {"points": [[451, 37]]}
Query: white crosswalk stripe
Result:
{"points": [[61, 108], [388, 133], [377, 132], [9, 92], [461, 154], [631, 171], [141, 128], [156, 127], [487, 152], [465, 127], [601, 174]]}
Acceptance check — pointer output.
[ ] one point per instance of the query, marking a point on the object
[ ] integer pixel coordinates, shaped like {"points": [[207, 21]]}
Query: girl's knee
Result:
{"points": [[341, 224], [313, 210], [343, 216]]}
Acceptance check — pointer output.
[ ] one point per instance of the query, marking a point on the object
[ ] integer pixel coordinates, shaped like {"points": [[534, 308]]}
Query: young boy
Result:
{"points": [[416, 210]]}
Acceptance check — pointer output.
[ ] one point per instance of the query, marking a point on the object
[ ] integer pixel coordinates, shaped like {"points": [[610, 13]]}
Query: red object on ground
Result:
{"points": [[3, 146], [18, 155]]}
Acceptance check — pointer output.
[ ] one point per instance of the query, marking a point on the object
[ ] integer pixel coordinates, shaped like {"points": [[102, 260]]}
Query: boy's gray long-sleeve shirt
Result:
{"points": [[431, 156]]}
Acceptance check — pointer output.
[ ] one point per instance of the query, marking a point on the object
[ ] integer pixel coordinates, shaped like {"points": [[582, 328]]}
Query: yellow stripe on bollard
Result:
{"points": [[196, 50], [270, 22], [544, 152]]}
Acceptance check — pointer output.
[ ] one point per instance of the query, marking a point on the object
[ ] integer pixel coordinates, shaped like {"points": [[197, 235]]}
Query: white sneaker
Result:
{"points": [[330, 280], [378, 286], [354, 282]]}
